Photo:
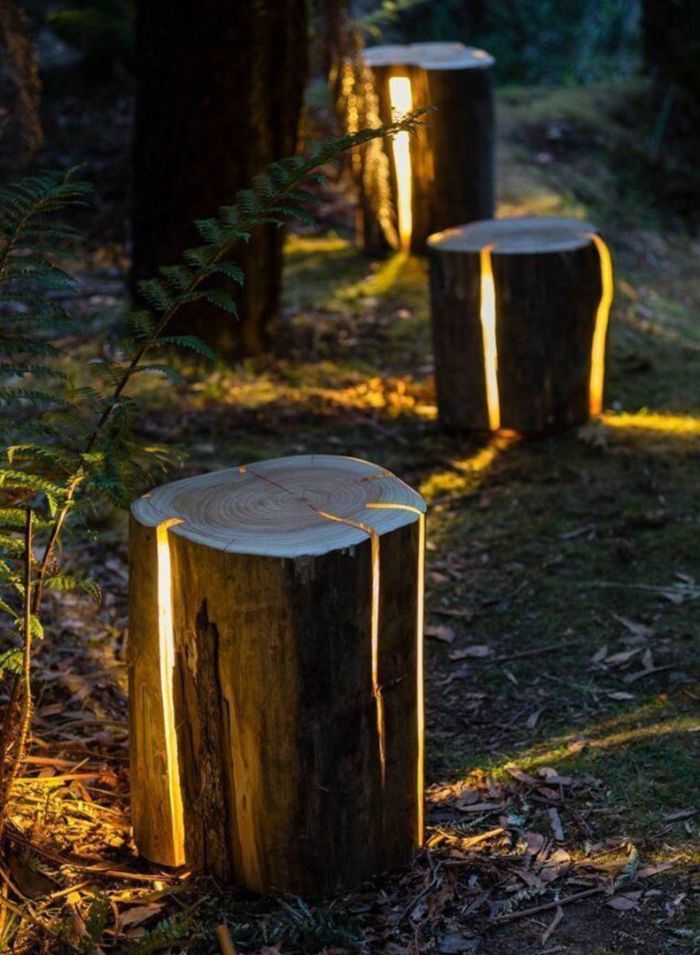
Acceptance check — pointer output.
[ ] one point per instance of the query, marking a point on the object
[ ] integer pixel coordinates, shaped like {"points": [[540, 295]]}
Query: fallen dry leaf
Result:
{"points": [[555, 823], [550, 774], [637, 629], [618, 659], [625, 901], [137, 915], [476, 651], [440, 632], [649, 870]]}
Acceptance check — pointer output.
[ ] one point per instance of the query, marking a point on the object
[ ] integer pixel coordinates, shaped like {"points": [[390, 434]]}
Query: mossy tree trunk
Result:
{"points": [[219, 95]]}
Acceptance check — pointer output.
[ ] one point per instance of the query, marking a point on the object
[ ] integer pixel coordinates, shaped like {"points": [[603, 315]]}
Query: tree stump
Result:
{"points": [[520, 313], [276, 696], [445, 172]]}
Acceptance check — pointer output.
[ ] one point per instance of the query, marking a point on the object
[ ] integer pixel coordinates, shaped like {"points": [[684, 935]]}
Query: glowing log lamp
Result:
{"points": [[445, 172], [276, 673], [520, 312]]}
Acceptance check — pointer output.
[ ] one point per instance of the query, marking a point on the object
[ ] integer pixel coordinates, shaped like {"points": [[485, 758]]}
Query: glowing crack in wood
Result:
{"points": [[166, 646], [600, 331], [420, 691], [374, 631], [401, 99], [487, 315]]}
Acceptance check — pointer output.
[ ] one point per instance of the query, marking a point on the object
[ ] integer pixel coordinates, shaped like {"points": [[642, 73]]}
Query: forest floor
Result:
{"points": [[563, 743]]}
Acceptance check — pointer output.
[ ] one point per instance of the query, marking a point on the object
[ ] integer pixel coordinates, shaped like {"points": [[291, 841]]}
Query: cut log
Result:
{"points": [[519, 313], [445, 172], [276, 673]]}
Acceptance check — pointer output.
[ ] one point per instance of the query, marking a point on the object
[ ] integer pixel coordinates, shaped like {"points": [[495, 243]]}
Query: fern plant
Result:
{"points": [[70, 434]]}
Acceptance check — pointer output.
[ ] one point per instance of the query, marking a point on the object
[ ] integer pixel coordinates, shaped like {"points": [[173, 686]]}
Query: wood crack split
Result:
{"points": [[420, 692], [600, 330], [166, 646], [487, 316], [374, 621]]}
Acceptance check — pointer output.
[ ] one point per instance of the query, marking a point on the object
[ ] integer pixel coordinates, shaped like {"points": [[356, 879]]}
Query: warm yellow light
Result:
{"points": [[420, 691], [401, 99], [680, 425], [166, 643], [487, 314], [374, 633], [595, 401]]}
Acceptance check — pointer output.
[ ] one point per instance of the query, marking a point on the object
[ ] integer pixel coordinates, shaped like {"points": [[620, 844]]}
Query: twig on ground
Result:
{"points": [[548, 906]]}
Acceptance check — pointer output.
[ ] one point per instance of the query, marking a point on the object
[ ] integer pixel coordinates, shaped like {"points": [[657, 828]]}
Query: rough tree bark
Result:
{"points": [[276, 673], [523, 350], [219, 95], [20, 85]]}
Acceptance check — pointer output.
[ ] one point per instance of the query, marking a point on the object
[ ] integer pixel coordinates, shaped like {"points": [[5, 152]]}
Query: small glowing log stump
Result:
{"points": [[444, 173], [520, 315], [276, 679]]}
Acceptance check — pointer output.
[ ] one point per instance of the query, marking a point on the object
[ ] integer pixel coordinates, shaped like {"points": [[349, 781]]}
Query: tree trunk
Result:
{"points": [[19, 70], [276, 673], [219, 95], [519, 314], [452, 156], [670, 38]]}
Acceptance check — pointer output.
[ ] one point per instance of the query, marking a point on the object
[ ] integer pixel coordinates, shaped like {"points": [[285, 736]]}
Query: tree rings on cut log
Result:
{"points": [[444, 173], [276, 696], [520, 312]]}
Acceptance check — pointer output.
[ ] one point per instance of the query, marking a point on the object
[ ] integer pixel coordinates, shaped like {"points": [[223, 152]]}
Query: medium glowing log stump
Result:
{"points": [[444, 173], [276, 694], [519, 313]]}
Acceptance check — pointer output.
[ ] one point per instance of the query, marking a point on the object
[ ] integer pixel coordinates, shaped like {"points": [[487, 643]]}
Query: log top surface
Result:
{"points": [[520, 235], [429, 56], [304, 505]]}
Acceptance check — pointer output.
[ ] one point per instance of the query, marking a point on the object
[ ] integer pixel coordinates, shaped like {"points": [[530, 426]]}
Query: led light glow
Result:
{"points": [[595, 401], [401, 99], [166, 643], [487, 314], [374, 631], [420, 691]]}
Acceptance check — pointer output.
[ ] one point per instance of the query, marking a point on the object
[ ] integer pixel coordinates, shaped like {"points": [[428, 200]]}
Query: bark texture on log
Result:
{"points": [[295, 675], [550, 296], [452, 155]]}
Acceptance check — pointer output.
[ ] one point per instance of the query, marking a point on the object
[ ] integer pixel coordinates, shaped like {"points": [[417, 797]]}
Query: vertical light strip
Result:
{"points": [[374, 631], [166, 642], [597, 380], [401, 100], [487, 314], [420, 690]]}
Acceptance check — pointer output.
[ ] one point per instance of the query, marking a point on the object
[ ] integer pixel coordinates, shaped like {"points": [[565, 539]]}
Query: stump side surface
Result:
{"points": [[547, 282], [299, 738]]}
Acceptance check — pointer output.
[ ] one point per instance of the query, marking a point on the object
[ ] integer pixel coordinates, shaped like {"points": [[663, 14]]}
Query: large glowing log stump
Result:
{"points": [[276, 673], [444, 173], [520, 312]]}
